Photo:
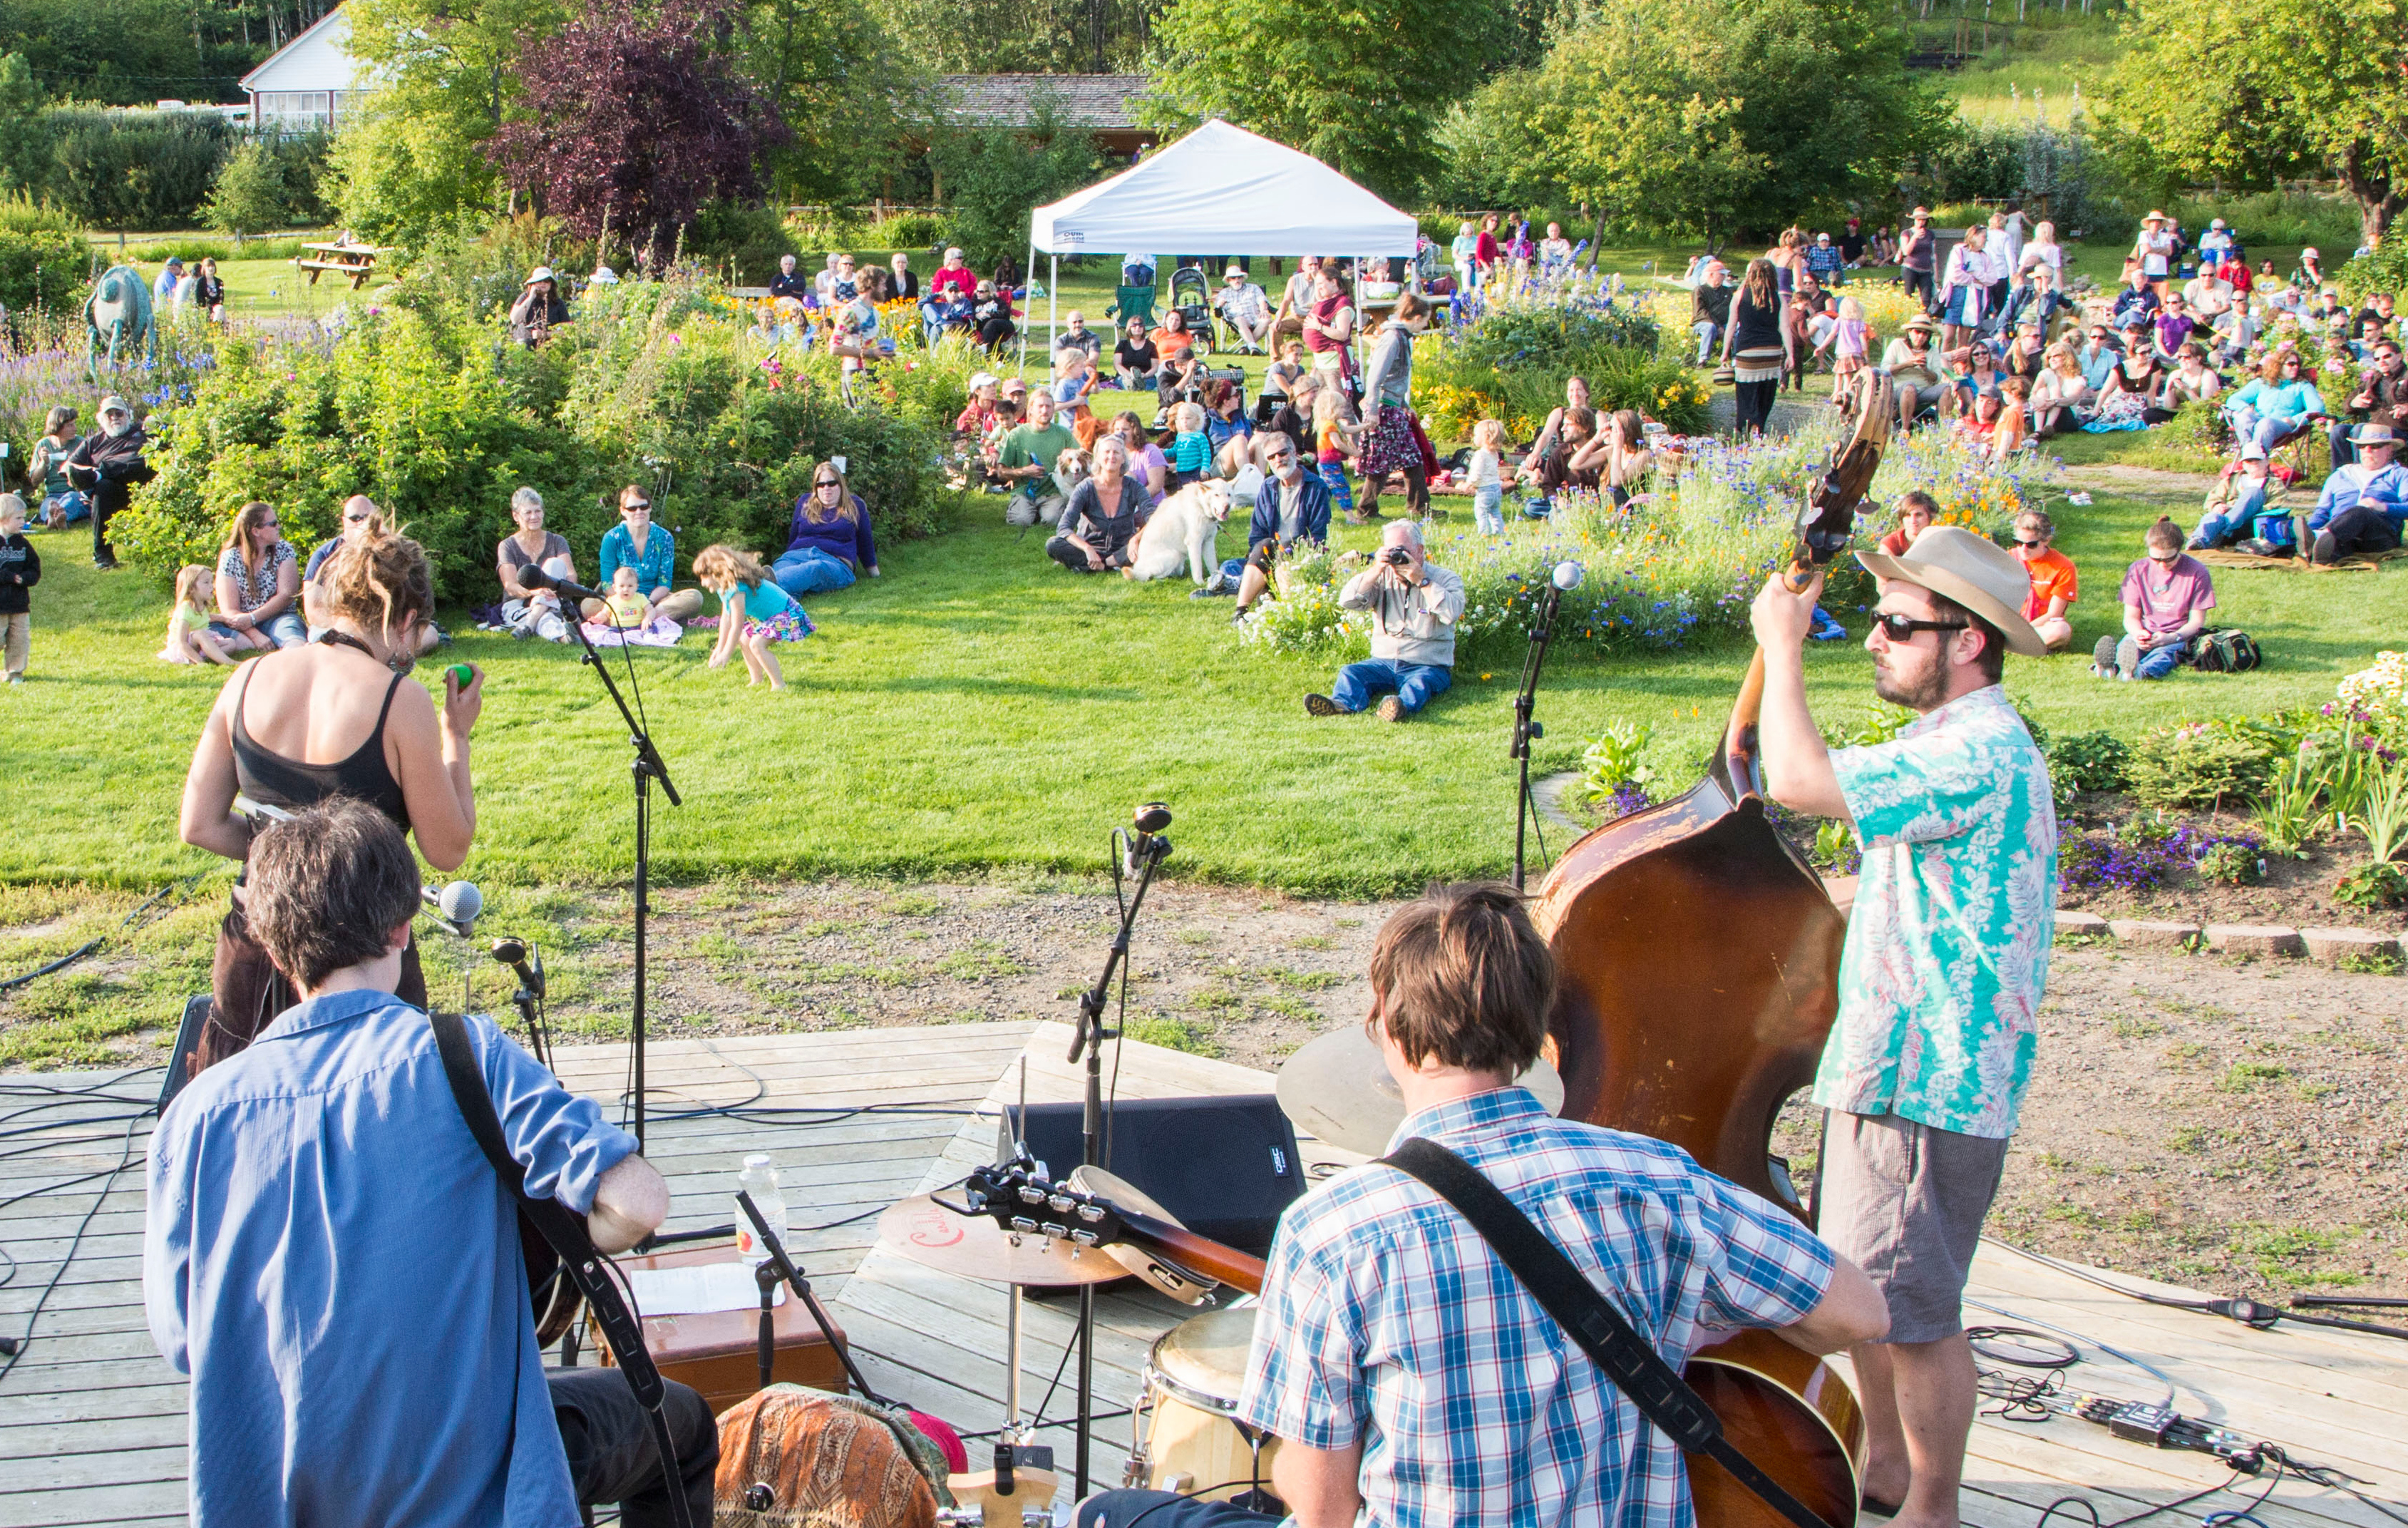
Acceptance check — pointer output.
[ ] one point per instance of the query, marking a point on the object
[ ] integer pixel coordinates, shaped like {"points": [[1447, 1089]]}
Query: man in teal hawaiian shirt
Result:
{"points": [[1941, 979]]}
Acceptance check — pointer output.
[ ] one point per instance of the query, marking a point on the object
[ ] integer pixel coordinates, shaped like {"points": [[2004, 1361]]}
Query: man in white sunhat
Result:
{"points": [[1247, 311], [1941, 979], [2364, 502]]}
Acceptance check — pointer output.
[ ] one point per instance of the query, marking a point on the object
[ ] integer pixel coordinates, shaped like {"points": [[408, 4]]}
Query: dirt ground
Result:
{"points": [[2231, 1125]]}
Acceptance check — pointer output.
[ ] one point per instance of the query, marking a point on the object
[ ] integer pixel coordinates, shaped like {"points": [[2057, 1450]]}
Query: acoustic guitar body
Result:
{"points": [[1790, 1413]]}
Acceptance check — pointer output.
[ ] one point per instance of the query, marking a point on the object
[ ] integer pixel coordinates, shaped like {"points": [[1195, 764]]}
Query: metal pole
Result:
{"points": [[643, 877]]}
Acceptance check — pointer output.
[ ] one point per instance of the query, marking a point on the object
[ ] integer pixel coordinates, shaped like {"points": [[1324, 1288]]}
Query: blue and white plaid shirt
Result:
{"points": [[1387, 1322]]}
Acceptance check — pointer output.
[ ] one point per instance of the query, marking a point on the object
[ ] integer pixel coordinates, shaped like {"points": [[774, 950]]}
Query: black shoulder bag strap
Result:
{"points": [[1635, 1368], [566, 1231]]}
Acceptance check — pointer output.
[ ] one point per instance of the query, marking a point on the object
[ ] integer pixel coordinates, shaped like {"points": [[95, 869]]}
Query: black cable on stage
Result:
{"points": [[14, 1347], [2253, 1313]]}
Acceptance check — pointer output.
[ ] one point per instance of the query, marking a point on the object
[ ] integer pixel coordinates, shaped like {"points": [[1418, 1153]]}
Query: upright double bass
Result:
{"points": [[1698, 958]]}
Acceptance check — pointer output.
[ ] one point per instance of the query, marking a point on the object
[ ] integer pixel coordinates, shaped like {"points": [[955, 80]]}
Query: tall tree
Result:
{"points": [[634, 122], [2248, 92], [412, 161], [835, 75], [1359, 84], [1713, 117]]}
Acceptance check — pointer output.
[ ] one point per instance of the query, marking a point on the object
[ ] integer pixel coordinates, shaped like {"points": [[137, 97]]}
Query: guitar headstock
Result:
{"points": [[1019, 1198]]}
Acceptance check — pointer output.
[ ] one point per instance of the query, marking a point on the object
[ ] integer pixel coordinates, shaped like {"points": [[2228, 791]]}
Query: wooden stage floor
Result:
{"points": [[92, 1425]]}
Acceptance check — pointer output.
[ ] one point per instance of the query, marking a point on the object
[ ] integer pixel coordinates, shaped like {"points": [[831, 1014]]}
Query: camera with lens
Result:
{"points": [[1396, 556]]}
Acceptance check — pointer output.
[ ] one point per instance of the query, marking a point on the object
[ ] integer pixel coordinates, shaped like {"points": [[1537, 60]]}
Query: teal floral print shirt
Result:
{"points": [[1948, 944]]}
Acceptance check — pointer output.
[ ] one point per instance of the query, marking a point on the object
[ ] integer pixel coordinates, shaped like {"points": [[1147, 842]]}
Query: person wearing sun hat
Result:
{"points": [[1919, 378], [2155, 249], [2365, 502], [1942, 974], [1918, 251], [539, 308]]}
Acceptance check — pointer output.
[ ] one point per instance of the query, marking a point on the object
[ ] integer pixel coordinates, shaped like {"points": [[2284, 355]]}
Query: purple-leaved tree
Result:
{"points": [[634, 122]]}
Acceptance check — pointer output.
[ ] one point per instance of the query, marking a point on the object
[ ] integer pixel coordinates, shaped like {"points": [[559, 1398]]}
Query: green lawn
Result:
{"points": [[975, 708]]}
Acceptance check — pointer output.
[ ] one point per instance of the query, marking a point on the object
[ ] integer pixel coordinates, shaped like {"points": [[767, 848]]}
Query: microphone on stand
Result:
{"points": [[534, 577], [456, 906], [1146, 842], [514, 953]]}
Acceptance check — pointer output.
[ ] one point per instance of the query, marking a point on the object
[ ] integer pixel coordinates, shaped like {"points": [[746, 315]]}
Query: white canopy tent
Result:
{"points": [[1223, 190]]}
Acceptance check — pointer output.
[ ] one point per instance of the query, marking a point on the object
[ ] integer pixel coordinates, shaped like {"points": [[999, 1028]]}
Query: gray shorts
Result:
{"points": [[1905, 1202]]}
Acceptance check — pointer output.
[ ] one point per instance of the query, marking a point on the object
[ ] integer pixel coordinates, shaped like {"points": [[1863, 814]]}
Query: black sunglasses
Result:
{"points": [[630, 508], [1900, 629], [2020, 541]]}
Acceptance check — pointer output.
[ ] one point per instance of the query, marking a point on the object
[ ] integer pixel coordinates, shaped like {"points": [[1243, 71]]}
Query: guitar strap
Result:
{"points": [[1635, 1368], [566, 1231]]}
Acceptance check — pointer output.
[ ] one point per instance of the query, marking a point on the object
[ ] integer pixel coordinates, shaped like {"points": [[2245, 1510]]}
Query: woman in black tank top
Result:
{"points": [[413, 763]]}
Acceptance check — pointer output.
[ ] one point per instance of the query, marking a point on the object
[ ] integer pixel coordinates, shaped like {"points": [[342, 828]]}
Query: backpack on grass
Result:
{"points": [[2230, 651]]}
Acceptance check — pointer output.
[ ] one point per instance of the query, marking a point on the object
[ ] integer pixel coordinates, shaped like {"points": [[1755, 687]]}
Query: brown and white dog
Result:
{"points": [[1181, 533], [1070, 469]]}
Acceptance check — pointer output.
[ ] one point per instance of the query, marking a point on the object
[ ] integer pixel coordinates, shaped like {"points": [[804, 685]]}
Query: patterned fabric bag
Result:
{"points": [[790, 1456]]}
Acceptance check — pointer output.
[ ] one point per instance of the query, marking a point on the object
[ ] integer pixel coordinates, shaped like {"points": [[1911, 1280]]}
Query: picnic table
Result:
{"points": [[356, 261]]}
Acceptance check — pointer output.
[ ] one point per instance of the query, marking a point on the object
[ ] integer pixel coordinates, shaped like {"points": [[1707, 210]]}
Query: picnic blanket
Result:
{"points": [[2360, 562]]}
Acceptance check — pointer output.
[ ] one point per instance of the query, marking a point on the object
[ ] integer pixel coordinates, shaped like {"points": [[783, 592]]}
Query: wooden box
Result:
{"points": [[719, 1353]]}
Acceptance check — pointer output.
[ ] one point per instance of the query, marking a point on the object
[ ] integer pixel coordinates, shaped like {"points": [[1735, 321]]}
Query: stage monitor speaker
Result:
{"points": [[1224, 1166]]}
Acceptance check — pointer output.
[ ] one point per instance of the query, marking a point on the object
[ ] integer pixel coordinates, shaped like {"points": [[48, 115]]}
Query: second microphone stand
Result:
{"points": [[1141, 851], [1525, 728], [647, 766]]}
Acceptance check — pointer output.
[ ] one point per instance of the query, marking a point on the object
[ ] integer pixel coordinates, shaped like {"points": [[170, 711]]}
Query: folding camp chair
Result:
{"points": [[1132, 302]]}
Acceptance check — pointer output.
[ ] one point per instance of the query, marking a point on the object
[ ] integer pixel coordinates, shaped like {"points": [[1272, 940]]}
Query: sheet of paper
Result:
{"points": [[698, 1290]]}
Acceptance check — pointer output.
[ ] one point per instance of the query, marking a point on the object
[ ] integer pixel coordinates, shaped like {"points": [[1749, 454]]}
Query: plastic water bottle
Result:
{"points": [[759, 1179]]}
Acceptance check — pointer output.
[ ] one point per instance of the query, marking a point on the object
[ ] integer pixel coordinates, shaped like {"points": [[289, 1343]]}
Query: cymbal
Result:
{"points": [[1176, 1282], [1336, 1088], [974, 1246]]}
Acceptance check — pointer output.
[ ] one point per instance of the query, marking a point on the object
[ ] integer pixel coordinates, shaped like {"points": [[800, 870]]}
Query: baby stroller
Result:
{"points": [[1191, 294]]}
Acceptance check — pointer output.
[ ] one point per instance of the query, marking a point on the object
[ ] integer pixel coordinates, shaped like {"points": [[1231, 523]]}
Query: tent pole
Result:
{"points": [[1053, 304], [1026, 271]]}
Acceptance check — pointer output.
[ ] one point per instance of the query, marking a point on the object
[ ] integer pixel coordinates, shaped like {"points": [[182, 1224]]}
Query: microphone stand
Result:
{"points": [[647, 767], [1524, 728], [1146, 852]]}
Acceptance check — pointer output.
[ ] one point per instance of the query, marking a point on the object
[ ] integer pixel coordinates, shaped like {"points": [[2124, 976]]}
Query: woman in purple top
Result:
{"points": [[831, 545], [2167, 596]]}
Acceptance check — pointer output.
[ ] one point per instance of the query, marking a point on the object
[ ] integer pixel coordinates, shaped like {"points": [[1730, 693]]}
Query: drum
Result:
{"points": [[1196, 1445]]}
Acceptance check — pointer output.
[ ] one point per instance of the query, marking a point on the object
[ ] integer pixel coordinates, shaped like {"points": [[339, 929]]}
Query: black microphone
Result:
{"points": [[513, 954], [534, 577], [1148, 822]]}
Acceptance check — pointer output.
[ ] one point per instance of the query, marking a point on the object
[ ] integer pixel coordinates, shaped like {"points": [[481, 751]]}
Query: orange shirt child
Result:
{"points": [[2051, 578]]}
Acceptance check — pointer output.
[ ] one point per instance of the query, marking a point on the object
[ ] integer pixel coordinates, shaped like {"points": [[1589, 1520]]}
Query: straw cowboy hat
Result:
{"points": [[1921, 321], [2155, 217], [1978, 574], [2372, 435]]}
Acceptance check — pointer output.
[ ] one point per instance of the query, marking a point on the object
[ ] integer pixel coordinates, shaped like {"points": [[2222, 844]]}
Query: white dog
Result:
{"points": [[1183, 531]]}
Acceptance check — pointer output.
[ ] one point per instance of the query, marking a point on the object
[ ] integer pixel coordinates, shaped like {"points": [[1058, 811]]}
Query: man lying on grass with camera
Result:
{"points": [[1414, 606]]}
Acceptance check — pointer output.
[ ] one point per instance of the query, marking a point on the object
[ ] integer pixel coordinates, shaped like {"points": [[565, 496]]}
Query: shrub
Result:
{"points": [[2376, 699], [250, 195], [43, 269], [136, 169], [1615, 774], [745, 240], [2201, 764], [2232, 864], [2089, 761], [2146, 852], [2383, 270], [425, 408], [2373, 885]]}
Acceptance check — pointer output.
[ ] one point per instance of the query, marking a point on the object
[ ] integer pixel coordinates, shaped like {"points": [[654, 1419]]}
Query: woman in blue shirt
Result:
{"points": [[830, 545], [754, 612], [634, 542], [2276, 405]]}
